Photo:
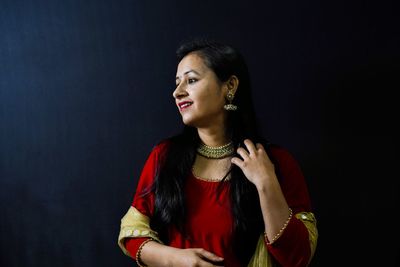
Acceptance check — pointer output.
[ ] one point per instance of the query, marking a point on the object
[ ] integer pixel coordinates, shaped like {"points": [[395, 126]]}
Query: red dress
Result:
{"points": [[210, 221]]}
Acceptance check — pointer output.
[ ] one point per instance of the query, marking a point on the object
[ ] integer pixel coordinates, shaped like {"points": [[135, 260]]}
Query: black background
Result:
{"points": [[86, 91]]}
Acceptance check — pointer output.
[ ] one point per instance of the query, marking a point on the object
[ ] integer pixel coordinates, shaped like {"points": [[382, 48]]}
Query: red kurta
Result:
{"points": [[210, 221]]}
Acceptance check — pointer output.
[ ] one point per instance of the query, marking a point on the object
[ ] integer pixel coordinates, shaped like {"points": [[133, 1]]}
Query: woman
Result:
{"points": [[218, 194]]}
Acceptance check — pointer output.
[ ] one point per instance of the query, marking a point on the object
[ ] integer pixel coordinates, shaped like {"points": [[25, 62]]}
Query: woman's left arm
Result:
{"points": [[283, 204]]}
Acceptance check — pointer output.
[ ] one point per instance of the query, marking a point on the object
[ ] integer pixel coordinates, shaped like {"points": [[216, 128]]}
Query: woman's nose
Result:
{"points": [[179, 92]]}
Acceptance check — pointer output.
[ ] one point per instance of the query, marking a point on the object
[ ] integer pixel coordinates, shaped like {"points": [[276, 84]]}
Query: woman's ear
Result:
{"points": [[232, 84]]}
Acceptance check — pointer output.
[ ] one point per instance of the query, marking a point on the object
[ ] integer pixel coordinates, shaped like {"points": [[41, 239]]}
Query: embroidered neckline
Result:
{"points": [[208, 180]]}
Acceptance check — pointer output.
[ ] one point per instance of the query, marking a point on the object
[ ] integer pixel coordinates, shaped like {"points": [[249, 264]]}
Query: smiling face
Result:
{"points": [[199, 94]]}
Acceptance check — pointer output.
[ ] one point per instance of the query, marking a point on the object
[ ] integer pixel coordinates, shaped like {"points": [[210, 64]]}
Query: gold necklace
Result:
{"points": [[219, 152]]}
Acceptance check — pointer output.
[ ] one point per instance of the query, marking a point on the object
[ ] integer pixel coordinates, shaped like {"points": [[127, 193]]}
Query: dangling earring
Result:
{"points": [[230, 106]]}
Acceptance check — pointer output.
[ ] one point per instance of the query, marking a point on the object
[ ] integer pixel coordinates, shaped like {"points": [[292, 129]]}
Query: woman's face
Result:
{"points": [[199, 94]]}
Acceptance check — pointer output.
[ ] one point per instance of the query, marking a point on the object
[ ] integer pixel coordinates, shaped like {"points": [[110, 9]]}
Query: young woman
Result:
{"points": [[218, 194]]}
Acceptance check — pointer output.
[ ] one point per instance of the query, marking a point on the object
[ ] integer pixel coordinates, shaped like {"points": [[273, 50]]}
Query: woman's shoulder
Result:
{"points": [[161, 145], [159, 150]]}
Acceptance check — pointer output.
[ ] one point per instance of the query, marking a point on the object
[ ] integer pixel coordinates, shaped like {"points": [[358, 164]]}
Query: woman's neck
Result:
{"points": [[213, 137]]}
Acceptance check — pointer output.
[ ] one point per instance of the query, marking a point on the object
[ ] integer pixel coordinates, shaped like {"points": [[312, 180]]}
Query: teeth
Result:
{"points": [[185, 105]]}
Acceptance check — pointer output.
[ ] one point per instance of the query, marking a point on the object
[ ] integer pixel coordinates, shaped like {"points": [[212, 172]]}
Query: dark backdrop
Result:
{"points": [[86, 91]]}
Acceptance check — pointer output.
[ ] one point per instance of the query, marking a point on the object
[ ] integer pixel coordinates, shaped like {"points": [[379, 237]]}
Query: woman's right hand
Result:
{"points": [[192, 257], [158, 255]]}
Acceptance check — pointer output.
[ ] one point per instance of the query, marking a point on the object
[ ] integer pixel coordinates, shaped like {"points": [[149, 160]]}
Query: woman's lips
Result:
{"points": [[184, 105]]}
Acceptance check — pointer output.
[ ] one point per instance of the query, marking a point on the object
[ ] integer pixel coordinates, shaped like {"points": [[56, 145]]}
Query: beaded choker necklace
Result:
{"points": [[219, 152]]}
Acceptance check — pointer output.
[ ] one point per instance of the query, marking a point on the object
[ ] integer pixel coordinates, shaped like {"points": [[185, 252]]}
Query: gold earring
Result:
{"points": [[230, 106]]}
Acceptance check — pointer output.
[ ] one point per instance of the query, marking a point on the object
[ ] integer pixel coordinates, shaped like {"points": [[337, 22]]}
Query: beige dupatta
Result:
{"points": [[134, 224]]}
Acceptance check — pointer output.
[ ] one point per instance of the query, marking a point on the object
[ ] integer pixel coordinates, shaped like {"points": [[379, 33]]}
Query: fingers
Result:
{"points": [[260, 147], [208, 255], [243, 153], [246, 155], [250, 146], [238, 162], [251, 149]]}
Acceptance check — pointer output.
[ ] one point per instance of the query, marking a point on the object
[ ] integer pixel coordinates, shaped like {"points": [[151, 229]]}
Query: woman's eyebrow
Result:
{"points": [[187, 72]]}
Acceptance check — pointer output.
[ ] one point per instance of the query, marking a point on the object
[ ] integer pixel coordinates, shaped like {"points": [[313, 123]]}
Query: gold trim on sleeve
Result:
{"points": [[309, 220], [261, 256], [134, 224]]}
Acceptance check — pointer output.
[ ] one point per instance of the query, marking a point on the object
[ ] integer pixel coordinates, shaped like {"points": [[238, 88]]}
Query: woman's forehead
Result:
{"points": [[192, 63]]}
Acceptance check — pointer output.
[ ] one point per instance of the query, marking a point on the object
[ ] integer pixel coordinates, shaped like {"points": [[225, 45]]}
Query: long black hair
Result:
{"points": [[170, 209]]}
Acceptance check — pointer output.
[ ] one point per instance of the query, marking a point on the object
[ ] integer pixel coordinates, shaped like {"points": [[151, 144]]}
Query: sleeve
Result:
{"points": [[135, 225], [297, 244]]}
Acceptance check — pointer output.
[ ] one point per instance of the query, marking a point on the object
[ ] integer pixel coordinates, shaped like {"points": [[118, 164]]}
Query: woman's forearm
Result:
{"points": [[156, 254], [275, 209]]}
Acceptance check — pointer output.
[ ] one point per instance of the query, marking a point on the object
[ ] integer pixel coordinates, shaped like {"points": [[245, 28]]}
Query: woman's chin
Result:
{"points": [[189, 121]]}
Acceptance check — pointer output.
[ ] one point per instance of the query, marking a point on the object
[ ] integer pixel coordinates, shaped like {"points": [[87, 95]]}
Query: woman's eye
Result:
{"points": [[191, 80]]}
